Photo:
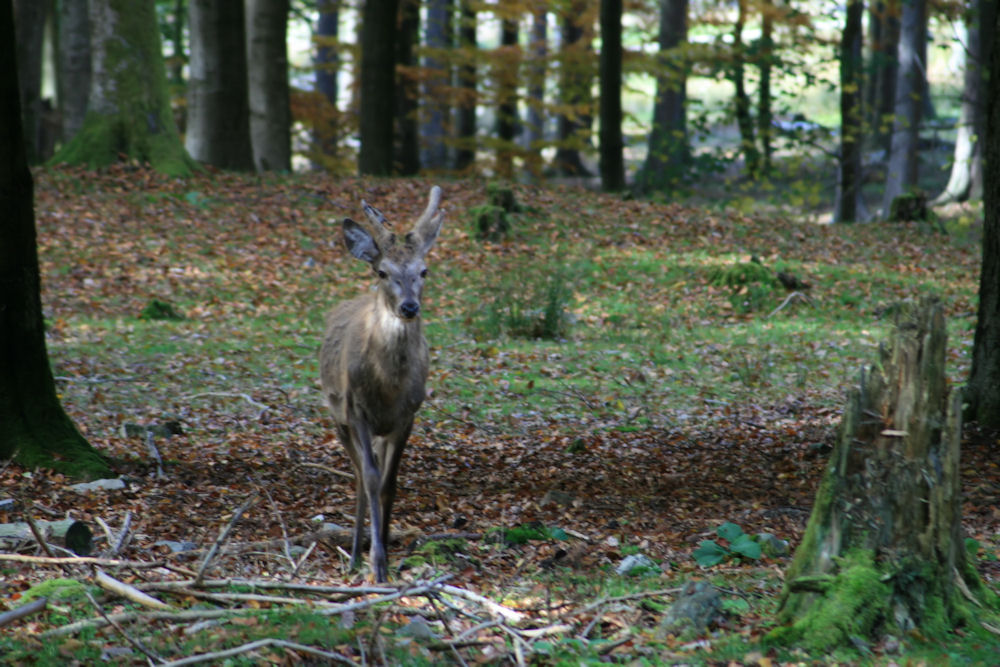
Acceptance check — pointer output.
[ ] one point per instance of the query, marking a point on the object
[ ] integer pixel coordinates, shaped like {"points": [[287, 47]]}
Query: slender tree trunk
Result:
{"points": [[884, 19], [270, 102], [883, 552], [326, 130], [465, 121], [765, 61], [575, 79], [982, 394], [378, 86], [36, 430], [506, 75], [218, 119], [851, 132], [31, 16], [434, 125], [668, 152], [407, 89], [965, 179], [128, 112], [178, 57], [748, 144], [612, 142], [74, 65], [534, 137], [903, 155]]}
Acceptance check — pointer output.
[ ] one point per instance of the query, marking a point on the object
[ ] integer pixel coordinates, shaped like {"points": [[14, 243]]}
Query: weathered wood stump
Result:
{"points": [[883, 551]]}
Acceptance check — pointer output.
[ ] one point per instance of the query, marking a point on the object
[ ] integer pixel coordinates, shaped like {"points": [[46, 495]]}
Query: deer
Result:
{"points": [[373, 366]]}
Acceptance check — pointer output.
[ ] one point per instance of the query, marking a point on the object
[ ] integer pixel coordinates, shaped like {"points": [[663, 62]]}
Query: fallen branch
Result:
{"points": [[226, 394], [29, 609], [495, 607], [253, 646], [789, 299], [329, 469], [128, 592], [129, 638], [38, 535], [81, 560]]}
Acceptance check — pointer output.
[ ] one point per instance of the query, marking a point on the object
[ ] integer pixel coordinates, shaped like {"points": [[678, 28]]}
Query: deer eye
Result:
{"points": [[382, 274], [423, 274]]}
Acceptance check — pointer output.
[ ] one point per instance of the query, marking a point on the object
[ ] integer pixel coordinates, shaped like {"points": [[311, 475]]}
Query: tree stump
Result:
{"points": [[883, 551]]}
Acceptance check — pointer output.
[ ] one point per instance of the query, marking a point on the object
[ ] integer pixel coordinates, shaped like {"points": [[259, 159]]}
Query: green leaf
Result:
{"points": [[746, 547], [729, 531], [709, 553]]}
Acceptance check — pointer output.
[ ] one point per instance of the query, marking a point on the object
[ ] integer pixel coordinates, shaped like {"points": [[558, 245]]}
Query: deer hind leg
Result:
{"points": [[360, 497]]}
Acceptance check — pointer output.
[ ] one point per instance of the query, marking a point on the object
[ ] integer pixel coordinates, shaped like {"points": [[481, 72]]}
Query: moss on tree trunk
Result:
{"points": [[883, 552], [129, 113]]}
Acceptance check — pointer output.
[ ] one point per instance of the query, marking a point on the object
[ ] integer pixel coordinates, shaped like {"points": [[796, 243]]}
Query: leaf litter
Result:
{"points": [[612, 445]]}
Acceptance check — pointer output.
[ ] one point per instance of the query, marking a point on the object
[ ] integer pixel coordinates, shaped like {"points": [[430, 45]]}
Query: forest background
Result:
{"points": [[614, 375]]}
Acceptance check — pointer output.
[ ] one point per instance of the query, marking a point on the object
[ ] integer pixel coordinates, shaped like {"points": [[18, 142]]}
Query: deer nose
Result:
{"points": [[409, 309]]}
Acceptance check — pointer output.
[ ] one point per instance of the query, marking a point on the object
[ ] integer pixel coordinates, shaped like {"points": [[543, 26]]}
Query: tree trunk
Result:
{"points": [[575, 78], [128, 112], [965, 180], [883, 552], [901, 174], [748, 144], [267, 64], [378, 86], [983, 390], [30, 16], [407, 95], [326, 130], [506, 75], [884, 22], [434, 128], [668, 152], [534, 136], [218, 119], [851, 133], [765, 60], [612, 142], [74, 65], [465, 112], [36, 431]]}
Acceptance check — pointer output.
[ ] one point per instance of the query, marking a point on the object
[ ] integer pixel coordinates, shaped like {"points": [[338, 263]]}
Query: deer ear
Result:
{"points": [[359, 242]]}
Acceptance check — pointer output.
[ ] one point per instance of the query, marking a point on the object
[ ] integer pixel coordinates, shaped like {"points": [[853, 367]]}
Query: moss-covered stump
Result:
{"points": [[883, 553], [910, 207], [492, 220]]}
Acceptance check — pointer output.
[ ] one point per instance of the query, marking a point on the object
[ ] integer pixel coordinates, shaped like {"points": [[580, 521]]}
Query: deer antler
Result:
{"points": [[432, 207], [378, 227]]}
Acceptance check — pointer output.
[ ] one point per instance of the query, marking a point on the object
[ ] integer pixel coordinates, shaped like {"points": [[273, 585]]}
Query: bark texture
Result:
{"points": [[36, 430], [612, 141], [378, 85], [983, 391], [901, 174], [883, 551], [575, 98], [848, 207], [270, 103], [129, 114], [30, 16], [74, 65], [218, 125]]}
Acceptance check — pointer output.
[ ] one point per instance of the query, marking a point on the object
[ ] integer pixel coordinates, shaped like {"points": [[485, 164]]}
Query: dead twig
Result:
{"points": [[38, 535], [253, 646], [789, 299], [129, 638], [224, 535], [81, 560], [329, 469], [126, 591]]}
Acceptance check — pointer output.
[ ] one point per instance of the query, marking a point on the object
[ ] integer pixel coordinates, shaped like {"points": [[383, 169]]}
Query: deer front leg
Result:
{"points": [[390, 454], [371, 480]]}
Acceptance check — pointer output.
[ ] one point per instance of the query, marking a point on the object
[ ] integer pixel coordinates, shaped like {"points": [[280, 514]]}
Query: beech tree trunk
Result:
{"points": [[901, 174], [848, 207], [128, 112], [74, 65], [982, 393], [883, 553], [434, 122], [378, 86], [506, 75], [407, 90], [465, 113], [741, 102], [326, 130], [218, 117], [270, 103], [883, 19], [534, 126], [35, 429], [667, 151], [30, 16], [575, 78], [612, 142]]}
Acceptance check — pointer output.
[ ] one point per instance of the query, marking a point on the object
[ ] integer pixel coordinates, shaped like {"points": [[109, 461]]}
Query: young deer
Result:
{"points": [[373, 365]]}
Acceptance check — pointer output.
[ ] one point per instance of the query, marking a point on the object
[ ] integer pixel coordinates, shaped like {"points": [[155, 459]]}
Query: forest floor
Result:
{"points": [[675, 389]]}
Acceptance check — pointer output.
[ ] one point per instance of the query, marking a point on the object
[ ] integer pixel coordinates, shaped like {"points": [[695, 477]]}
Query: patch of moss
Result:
{"points": [[855, 603], [55, 589]]}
